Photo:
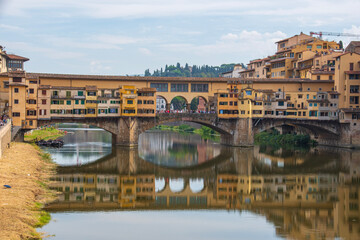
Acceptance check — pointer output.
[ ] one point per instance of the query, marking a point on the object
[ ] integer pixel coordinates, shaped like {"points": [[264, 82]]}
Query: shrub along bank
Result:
{"points": [[275, 138], [47, 133]]}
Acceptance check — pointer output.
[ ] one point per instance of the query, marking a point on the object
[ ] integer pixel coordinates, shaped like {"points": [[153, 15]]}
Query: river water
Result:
{"points": [[176, 186]]}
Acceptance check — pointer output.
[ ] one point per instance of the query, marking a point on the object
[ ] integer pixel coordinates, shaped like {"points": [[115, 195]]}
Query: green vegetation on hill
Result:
{"points": [[191, 71]]}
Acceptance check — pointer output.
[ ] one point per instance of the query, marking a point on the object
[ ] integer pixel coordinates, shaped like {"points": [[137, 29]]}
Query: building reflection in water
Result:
{"points": [[174, 151], [309, 195]]}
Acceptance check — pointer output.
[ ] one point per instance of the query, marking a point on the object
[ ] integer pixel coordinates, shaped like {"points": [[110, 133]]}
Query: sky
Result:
{"points": [[125, 37]]}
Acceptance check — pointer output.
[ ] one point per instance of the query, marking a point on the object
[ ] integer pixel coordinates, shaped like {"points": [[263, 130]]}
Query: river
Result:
{"points": [[183, 187]]}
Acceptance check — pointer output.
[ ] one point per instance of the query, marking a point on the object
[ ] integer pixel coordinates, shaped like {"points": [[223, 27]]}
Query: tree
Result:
{"points": [[341, 45], [147, 73]]}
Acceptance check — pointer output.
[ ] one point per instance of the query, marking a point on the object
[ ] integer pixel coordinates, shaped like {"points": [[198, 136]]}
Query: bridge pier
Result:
{"points": [[127, 132]]}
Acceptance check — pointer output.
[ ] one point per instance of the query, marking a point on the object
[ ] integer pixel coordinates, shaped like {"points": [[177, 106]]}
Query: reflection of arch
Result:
{"points": [[160, 184], [108, 124], [196, 185], [177, 185]]}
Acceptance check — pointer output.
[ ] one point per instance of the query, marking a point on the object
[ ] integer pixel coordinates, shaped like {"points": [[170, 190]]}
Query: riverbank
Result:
{"points": [[27, 170], [48, 133]]}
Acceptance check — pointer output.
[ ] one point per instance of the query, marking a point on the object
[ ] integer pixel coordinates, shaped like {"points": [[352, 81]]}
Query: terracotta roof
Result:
{"points": [[305, 60], [127, 78], [322, 72], [278, 80], [90, 87], [248, 70], [345, 53], [44, 87], [147, 90], [352, 72], [278, 59], [351, 110], [67, 88], [333, 92], [16, 57]]}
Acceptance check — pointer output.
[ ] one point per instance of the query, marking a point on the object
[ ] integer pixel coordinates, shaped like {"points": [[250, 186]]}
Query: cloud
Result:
{"points": [[145, 51], [246, 45], [97, 67], [47, 53], [165, 8], [11, 27]]}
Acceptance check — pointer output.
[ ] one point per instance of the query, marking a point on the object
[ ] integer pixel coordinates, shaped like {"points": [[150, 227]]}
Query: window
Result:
{"points": [[16, 114], [31, 112], [43, 92], [31, 90], [91, 93], [68, 94], [351, 66], [16, 90], [82, 102], [160, 87], [318, 77], [196, 87], [55, 93], [281, 103], [16, 101], [6, 84], [17, 79], [129, 101], [80, 93], [91, 111], [354, 99], [68, 102], [179, 87], [76, 101], [354, 88], [354, 76]]}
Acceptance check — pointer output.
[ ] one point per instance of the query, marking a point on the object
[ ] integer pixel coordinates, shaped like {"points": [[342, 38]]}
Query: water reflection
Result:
{"points": [[174, 150], [312, 194], [83, 144]]}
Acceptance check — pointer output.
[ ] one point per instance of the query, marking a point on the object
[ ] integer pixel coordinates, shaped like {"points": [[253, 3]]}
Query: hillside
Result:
{"points": [[190, 71]]}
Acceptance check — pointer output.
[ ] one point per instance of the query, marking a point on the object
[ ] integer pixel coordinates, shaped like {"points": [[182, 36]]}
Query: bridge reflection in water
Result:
{"points": [[310, 195]]}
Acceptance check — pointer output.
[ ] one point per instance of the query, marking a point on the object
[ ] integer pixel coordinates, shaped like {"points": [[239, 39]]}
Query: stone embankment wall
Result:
{"points": [[5, 137]]}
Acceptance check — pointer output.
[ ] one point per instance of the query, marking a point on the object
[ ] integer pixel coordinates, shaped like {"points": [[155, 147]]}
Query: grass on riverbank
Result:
{"points": [[49, 133], [27, 170]]}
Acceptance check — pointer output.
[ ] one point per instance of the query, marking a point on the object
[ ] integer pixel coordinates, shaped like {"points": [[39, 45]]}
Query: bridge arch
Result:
{"points": [[179, 103], [198, 104], [322, 131]]}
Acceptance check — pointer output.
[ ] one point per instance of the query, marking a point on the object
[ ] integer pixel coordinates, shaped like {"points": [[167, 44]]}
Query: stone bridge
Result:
{"points": [[234, 132], [126, 130]]}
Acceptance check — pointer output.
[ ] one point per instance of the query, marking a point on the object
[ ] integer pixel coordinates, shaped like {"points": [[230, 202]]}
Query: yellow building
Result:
{"points": [[146, 102], [91, 101], [227, 103], [128, 96]]}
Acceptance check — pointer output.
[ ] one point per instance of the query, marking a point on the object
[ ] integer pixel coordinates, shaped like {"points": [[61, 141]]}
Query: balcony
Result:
{"points": [[133, 96], [79, 97]]}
